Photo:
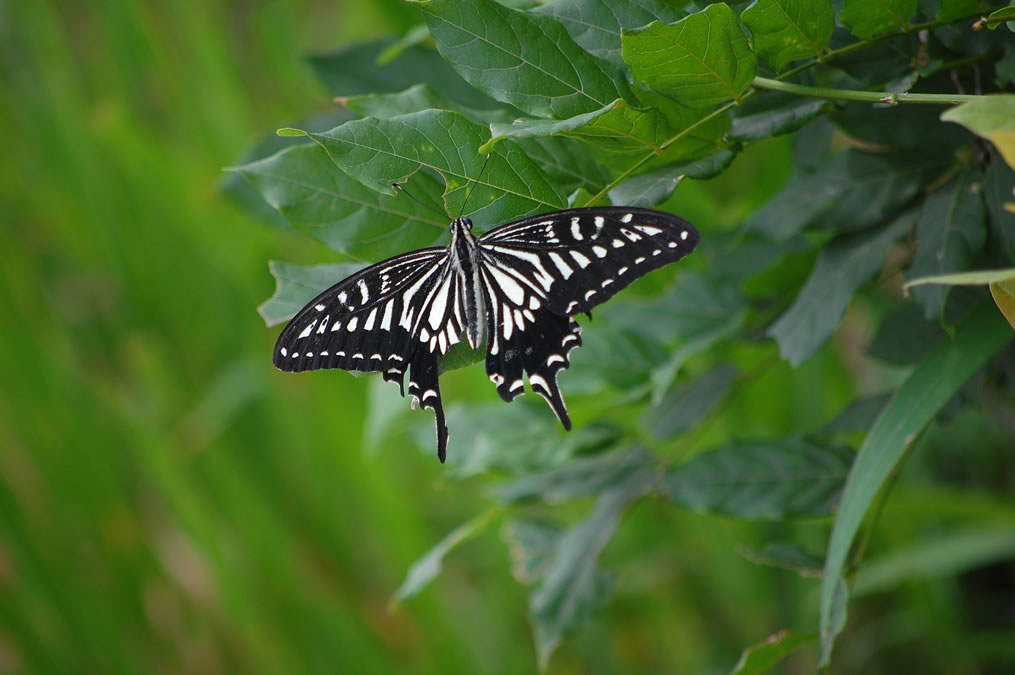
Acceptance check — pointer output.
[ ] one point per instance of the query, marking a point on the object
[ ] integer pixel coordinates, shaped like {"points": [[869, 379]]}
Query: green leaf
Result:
{"points": [[953, 10], [596, 24], [844, 266], [317, 198], [567, 162], [579, 477], [787, 30], [836, 620], [532, 544], [619, 135], [574, 586], [785, 556], [296, 285], [381, 152], [999, 191], [415, 99], [699, 61], [762, 480], [992, 117], [1003, 293], [903, 126], [517, 438], [653, 187], [1005, 15], [859, 415], [686, 406], [946, 554], [761, 657], [931, 384], [852, 189], [427, 568], [952, 230], [867, 18], [774, 114], [1004, 68], [355, 70], [520, 58]]}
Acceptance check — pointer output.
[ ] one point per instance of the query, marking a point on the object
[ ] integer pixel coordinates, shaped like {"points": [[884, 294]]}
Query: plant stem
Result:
{"points": [[854, 95]]}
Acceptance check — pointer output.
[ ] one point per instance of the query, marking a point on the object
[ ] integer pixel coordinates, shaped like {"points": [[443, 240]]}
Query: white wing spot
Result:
{"points": [[656, 252], [376, 357], [590, 293], [576, 230], [627, 218], [424, 335], [324, 353], [363, 291], [562, 267], [342, 297], [308, 329], [433, 343], [672, 244], [324, 325], [517, 384], [534, 302], [319, 308], [439, 305], [369, 324], [497, 378], [607, 282], [622, 270], [529, 315], [396, 357], [296, 355], [429, 393], [386, 319], [336, 326], [442, 340], [570, 306], [648, 229], [633, 236], [539, 381], [570, 337], [519, 321], [351, 326], [639, 260], [683, 235], [511, 288], [599, 220], [509, 325], [599, 251], [284, 351], [357, 355], [617, 243], [582, 261], [339, 353], [554, 358]]}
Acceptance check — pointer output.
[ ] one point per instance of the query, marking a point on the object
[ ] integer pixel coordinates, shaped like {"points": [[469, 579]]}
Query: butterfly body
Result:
{"points": [[517, 286]]}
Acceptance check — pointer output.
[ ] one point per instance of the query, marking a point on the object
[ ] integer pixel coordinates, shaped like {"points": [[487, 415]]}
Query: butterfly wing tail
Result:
{"points": [[425, 389]]}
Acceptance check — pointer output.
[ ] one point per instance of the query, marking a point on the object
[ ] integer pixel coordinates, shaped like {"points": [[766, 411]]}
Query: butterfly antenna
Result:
{"points": [[398, 186], [474, 184]]}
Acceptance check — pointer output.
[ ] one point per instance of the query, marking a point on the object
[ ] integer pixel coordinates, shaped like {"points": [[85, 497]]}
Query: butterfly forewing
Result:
{"points": [[583, 257]]}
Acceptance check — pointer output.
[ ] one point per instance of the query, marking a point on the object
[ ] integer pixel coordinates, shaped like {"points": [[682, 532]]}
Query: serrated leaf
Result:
{"points": [[357, 69], [843, 267], [951, 230], [296, 285], [785, 556], [517, 438], [580, 477], [699, 61], [999, 190], [619, 135], [787, 30], [930, 385], [939, 555], [566, 162], [653, 187], [596, 25], [851, 190], [427, 568], [867, 18], [688, 405], [414, 99], [520, 58], [992, 117], [318, 198], [379, 152], [759, 480], [532, 544], [574, 586], [762, 656], [773, 115]]}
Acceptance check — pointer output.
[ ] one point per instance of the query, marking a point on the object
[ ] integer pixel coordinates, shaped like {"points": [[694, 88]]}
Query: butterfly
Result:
{"points": [[517, 287]]}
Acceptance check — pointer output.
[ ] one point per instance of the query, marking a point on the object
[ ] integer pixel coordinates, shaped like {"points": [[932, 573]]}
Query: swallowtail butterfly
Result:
{"points": [[517, 286]]}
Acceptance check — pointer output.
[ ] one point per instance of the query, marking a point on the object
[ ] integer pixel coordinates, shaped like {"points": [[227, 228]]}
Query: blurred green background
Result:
{"points": [[170, 503]]}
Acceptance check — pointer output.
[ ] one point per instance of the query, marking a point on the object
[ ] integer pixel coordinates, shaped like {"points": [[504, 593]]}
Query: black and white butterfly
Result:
{"points": [[518, 286]]}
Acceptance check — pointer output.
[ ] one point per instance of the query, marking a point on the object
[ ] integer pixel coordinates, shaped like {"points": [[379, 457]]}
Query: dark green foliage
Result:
{"points": [[577, 101]]}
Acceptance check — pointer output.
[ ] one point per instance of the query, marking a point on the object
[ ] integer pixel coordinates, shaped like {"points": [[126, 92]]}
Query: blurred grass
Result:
{"points": [[169, 502]]}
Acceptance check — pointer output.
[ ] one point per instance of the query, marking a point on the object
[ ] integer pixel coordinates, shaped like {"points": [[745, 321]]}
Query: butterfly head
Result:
{"points": [[460, 224]]}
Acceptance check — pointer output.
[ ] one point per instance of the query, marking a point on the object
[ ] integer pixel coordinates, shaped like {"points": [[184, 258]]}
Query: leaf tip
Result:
{"points": [[290, 132]]}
